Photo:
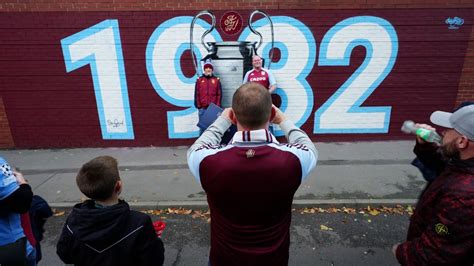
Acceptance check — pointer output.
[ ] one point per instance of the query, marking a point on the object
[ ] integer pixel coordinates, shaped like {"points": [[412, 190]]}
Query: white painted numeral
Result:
{"points": [[164, 50], [298, 53], [100, 47], [342, 112]]}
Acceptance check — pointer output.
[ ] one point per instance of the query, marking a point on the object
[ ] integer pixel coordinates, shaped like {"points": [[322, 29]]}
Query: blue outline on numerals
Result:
{"points": [[177, 64], [90, 60], [278, 65], [283, 51], [301, 77], [151, 75], [356, 107]]}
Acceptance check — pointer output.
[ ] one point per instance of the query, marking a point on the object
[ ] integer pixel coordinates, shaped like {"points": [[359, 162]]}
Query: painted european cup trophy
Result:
{"points": [[231, 59]]}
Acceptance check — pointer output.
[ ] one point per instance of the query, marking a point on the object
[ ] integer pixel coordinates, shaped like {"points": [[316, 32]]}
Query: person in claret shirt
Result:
{"points": [[260, 75], [207, 90], [264, 77], [250, 183]]}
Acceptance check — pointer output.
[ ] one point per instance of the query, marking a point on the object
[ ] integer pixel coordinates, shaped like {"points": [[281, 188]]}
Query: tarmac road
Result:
{"points": [[355, 239]]}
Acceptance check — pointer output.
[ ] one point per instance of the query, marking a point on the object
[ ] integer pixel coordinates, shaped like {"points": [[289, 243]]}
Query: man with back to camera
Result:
{"points": [[441, 230], [250, 183]]}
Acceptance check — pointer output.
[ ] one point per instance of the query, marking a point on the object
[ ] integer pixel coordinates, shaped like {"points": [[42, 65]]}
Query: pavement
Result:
{"points": [[347, 173]]}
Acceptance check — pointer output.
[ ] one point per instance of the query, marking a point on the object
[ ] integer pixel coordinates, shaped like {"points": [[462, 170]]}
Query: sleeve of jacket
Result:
{"points": [[19, 201], [430, 157], [64, 245], [302, 145], [271, 78], [151, 250], [200, 149], [196, 94], [246, 77], [448, 240]]}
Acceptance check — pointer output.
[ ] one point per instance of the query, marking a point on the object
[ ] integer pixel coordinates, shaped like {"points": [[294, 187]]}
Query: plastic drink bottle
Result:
{"points": [[425, 134]]}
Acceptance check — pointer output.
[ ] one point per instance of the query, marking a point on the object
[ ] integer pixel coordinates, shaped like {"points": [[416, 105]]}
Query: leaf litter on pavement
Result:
{"points": [[181, 211], [372, 211], [325, 228], [57, 213]]}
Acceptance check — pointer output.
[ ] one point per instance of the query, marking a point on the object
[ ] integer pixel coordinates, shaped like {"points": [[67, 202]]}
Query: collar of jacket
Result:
{"points": [[463, 165], [254, 136]]}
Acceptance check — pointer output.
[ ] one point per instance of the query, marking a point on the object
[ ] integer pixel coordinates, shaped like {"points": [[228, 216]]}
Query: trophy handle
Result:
{"points": [[208, 47], [260, 35]]}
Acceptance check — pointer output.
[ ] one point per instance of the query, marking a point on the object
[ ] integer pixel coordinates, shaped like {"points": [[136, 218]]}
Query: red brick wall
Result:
{"points": [[466, 84], [6, 140], [164, 5], [19, 131]]}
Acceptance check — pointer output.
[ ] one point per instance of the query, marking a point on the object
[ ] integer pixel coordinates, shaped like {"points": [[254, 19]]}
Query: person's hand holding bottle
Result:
{"points": [[425, 126], [424, 133]]}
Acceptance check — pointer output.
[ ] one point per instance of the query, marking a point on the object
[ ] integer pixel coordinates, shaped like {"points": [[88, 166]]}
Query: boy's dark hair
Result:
{"points": [[252, 105], [97, 178]]}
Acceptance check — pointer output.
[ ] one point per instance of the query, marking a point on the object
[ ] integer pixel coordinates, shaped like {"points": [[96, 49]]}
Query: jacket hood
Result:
{"points": [[98, 226]]}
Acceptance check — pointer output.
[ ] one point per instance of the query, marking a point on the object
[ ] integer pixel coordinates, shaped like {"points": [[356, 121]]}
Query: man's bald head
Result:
{"points": [[252, 105]]}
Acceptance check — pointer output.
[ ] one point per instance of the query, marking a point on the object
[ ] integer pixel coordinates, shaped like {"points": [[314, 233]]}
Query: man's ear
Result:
{"points": [[272, 114], [233, 119], [462, 142], [118, 187]]}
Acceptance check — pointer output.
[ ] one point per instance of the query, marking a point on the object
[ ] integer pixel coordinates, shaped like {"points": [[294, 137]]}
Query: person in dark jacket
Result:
{"points": [[207, 90], [441, 230], [39, 213], [103, 230]]}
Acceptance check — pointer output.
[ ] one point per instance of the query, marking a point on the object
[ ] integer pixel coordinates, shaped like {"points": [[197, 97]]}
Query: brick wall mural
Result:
{"points": [[92, 79]]}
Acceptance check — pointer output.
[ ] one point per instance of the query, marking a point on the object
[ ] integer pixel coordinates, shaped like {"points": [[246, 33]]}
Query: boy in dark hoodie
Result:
{"points": [[103, 230]]}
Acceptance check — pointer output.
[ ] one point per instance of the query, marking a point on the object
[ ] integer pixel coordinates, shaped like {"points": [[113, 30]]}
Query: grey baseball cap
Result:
{"points": [[462, 119]]}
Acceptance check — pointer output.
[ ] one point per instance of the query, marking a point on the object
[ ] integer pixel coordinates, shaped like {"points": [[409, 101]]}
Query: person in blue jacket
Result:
{"points": [[15, 199]]}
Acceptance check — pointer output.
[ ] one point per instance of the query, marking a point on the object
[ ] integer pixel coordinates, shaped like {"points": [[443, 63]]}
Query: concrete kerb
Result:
{"points": [[355, 203]]}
